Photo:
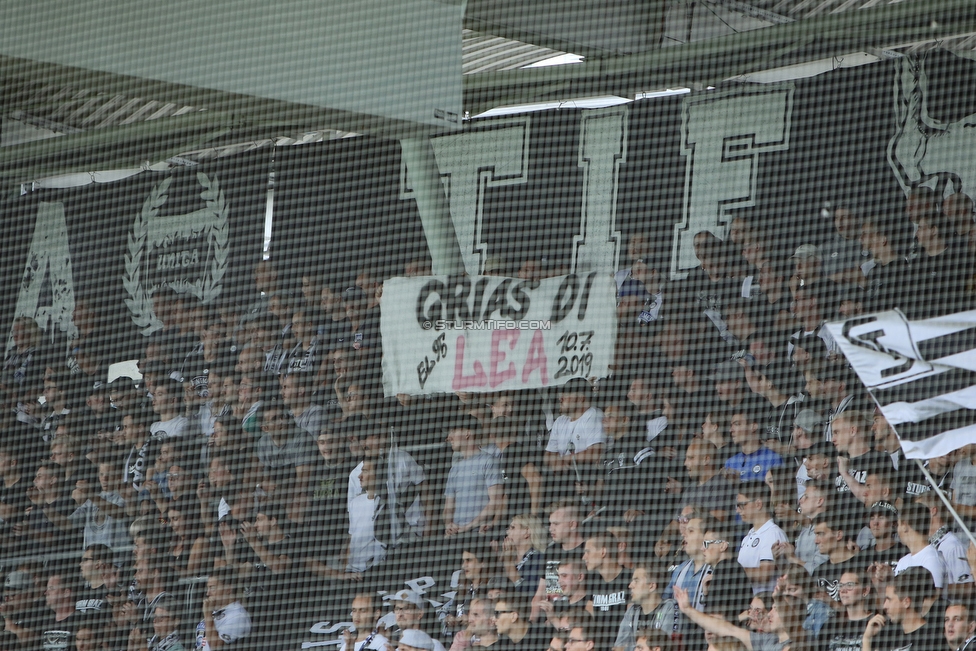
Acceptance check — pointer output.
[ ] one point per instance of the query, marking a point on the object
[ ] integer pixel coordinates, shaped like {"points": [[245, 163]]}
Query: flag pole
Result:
{"points": [[945, 500]]}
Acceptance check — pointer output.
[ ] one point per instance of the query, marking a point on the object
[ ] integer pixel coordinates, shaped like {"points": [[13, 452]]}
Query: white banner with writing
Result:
{"points": [[488, 333]]}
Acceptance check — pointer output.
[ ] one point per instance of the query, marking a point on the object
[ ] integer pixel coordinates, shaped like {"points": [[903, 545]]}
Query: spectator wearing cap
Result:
{"points": [[886, 548], [754, 459], [808, 266], [730, 384], [883, 484], [495, 265], [413, 640], [23, 619], [411, 613], [474, 492], [577, 435]]}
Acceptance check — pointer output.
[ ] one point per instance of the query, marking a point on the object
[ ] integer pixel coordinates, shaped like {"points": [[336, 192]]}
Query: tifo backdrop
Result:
{"points": [[566, 184]]}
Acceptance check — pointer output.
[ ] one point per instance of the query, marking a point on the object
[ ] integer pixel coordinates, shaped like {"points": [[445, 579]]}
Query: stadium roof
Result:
{"points": [[59, 122]]}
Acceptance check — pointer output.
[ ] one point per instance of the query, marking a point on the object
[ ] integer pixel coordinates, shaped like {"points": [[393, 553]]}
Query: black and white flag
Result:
{"points": [[922, 374]]}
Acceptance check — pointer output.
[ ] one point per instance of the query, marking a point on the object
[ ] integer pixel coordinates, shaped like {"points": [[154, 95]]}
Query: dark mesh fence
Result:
{"points": [[344, 439]]}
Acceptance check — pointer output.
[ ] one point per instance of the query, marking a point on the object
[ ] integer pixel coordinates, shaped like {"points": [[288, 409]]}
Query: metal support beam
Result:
{"points": [[424, 178], [710, 61]]}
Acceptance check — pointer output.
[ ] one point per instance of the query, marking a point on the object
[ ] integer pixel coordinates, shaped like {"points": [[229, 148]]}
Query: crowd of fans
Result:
{"points": [[729, 486]]}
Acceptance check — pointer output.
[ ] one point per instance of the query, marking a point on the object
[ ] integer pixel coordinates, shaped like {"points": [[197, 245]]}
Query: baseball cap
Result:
{"points": [[416, 639], [496, 263], [823, 449], [807, 251], [885, 508], [18, 580], [410, 597], [727, 371], [809, 421], [577, 385], [353, 294]]}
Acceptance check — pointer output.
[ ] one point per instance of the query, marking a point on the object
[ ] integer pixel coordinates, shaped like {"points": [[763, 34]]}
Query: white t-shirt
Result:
{"points": [[954, 554], [364, 550], [929, 558], [167, 429], [584, 432], [757, 546], [406, 471], [232, 623], [378, 643], [655, 426]]}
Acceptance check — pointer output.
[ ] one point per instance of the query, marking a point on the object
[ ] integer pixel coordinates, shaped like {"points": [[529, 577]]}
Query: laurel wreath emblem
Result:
{"points": [[206, 288]]}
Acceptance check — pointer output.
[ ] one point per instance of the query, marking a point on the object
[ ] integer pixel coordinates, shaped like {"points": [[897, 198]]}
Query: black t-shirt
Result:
{"points": [[91, 600], [889, 557], [858, 467], [555, 554], [511, 462], [842, 634], [609, 602], [16, 496], [60, 636], [930, 637], [633, 462], [888, 286], [827, 575], [327, 522], [729, 589]]}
